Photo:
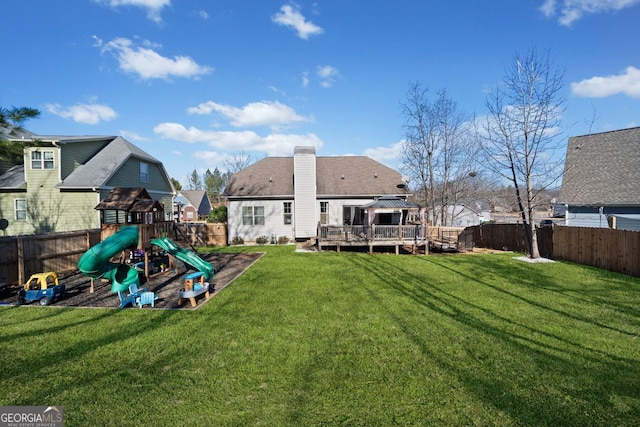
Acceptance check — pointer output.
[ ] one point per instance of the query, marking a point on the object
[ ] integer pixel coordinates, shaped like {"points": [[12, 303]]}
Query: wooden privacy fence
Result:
{"points": [[615, 250], [22, 256], [509, 237], [200, 233]]}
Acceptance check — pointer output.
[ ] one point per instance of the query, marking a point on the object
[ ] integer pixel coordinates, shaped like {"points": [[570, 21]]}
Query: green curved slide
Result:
{"points": [[185, 255], [95, 262]]}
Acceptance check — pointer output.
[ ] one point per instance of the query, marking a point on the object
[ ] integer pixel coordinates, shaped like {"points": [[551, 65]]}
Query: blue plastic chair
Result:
{"points": [[127, 299], [147, 298], [134, 290]]}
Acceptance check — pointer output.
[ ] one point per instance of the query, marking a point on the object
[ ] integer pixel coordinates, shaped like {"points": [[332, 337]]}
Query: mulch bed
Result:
{"points": [[165, 285]]}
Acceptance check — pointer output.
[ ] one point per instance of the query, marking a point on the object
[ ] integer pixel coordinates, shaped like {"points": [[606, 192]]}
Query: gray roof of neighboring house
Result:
{"points": [[104, 164], [346, 176], [62, 139], [602, 169], [95, 172], [13, 179], [194, 197]]}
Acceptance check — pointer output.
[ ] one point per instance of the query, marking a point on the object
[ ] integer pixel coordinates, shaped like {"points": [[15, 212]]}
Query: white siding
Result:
{"points": [[306, 207], [584, 219], [336, 211], [273, 221]]}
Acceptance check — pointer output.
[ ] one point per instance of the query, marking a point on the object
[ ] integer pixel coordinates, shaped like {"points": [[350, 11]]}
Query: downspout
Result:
{"points": [[57, 145]]}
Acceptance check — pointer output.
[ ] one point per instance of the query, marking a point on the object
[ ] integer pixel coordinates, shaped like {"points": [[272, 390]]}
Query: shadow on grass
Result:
{"points": [[54, 355], [592, 375]]}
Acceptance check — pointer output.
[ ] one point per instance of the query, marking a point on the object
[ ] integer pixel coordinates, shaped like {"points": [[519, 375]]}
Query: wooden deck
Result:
{"points": [[337, 236]]}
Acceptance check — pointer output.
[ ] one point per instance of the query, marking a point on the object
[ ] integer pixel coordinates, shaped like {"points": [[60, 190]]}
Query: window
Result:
{"points": [[144, 172], [287, 213], [42, 159], [21, 209], [324, 212], [253, 215]]}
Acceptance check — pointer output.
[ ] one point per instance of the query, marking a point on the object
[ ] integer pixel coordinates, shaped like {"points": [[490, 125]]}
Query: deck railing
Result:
{"points": [[364, 233]]}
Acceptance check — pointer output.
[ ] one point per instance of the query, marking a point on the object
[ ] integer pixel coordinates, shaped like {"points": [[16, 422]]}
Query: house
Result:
{"points": [[191, 205], [465, 213], [63, 178], [601, 182], [289, 196]]}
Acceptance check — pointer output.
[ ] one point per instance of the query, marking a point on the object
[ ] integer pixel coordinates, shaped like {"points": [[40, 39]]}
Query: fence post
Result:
{"points": [[21, 278]]}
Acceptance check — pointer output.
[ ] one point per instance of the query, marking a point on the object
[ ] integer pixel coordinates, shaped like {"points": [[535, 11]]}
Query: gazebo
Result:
{"points": [[390, 210]]}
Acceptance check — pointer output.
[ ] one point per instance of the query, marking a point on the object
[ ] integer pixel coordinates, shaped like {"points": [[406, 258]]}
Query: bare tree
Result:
{"points": [[438, 151], [238, 161], [520, 134], [195, 181]]}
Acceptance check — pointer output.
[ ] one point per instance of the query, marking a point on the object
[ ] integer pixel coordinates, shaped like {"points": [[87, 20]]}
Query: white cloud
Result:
{"points": [[263, 113], [272, 145], [389, 155], [627, 83], [153, 7], [149, 64], [202, 14], [305, 79], [327, 74], [83, 113], [132, 136], [290, 16], [569, 11]]}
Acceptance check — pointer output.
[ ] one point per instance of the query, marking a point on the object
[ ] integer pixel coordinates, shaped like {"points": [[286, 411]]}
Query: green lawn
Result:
{"points": [[346, 339]]}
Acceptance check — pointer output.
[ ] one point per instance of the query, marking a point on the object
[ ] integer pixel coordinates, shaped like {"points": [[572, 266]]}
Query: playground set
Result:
{"points": [[125, 276]]}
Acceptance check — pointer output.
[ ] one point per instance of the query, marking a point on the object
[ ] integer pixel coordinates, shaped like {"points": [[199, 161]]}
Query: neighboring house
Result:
{"points": [[601, 183], [191, 205], [63, 179], [466, 213], [290, 196]]}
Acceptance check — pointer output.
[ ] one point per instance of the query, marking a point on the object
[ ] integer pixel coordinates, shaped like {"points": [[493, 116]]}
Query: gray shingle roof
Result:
{"points": [[390, 202], [104, 164], [347, 176], [194, 197], [13, 179], [603, 169]]}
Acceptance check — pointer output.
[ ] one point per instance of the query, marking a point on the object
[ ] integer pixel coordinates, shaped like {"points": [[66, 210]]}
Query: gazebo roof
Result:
{"points": [[129, 200], [391, 202]]}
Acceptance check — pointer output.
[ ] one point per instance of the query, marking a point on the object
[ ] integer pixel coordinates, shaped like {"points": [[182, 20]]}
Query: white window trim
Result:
{"points": [[251, 214], [324, 215], [42, 161], [287, 216], [15, 209]]}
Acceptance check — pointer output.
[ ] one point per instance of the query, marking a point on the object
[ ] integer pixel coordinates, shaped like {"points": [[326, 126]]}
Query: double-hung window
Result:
{"points": [[324, 212], [144, 172], [20, 209], [42, 159], [287, 212], [253, 215]]}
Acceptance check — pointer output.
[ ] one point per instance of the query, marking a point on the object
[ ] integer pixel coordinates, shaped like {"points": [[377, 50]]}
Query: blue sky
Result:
{"points": [[194, 82]]}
